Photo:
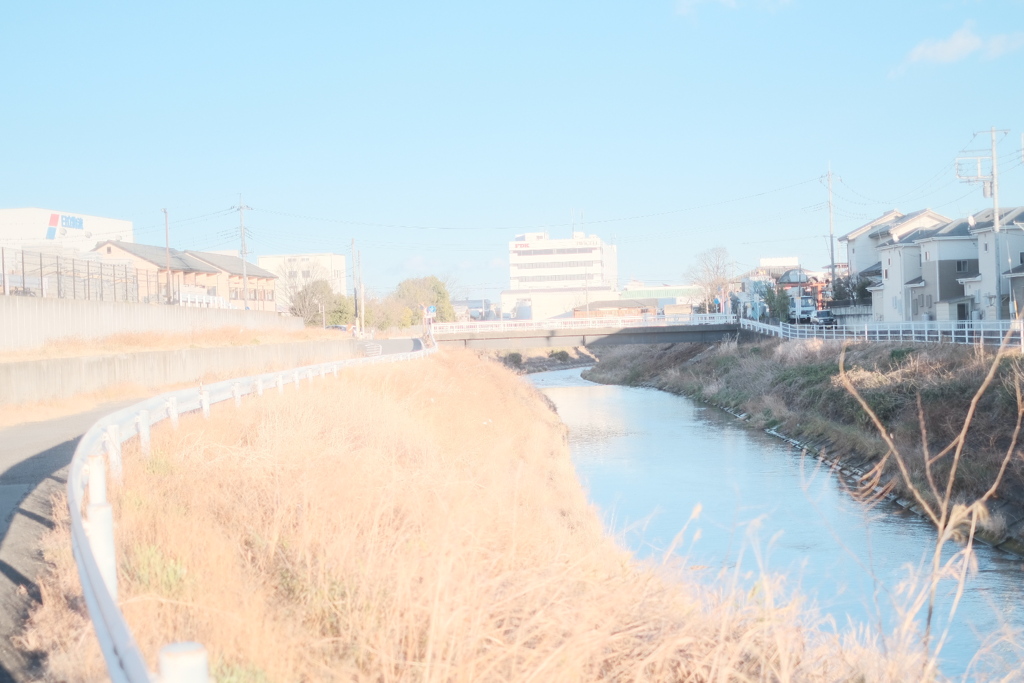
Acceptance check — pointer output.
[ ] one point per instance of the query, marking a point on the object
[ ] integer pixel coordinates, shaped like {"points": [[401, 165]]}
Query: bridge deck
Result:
{"points": [[600, 336]]}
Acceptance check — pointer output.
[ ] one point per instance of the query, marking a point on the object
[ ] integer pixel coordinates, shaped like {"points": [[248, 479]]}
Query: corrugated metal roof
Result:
{"points": [[231, 264], [180, 261]]}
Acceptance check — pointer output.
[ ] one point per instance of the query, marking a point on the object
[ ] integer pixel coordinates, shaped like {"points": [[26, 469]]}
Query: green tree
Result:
{"points": [[418, 293], [777, 300]]}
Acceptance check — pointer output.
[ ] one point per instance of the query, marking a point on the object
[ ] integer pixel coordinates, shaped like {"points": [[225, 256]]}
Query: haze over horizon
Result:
{"points": [[433, 134]]}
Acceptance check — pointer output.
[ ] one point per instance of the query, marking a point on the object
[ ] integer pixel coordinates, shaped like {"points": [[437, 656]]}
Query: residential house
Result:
{"points": [[193, 274], [999, 254], [862, 244]]}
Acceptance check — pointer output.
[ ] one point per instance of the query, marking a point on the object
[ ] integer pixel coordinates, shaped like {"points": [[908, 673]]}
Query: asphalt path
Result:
{"points": [[34, 458], [33, 466]]}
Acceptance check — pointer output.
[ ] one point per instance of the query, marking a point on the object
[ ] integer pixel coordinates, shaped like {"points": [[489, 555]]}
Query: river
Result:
{"points": [[648, 459]]}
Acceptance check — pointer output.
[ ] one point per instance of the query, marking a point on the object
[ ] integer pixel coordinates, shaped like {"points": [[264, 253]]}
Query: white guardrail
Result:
{"points": [[990, 332], [92, 536], [585, 323]]}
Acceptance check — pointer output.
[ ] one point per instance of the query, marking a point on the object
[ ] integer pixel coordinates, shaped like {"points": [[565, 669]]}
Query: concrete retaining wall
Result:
{"points": [[65, 377], [27, 322]]}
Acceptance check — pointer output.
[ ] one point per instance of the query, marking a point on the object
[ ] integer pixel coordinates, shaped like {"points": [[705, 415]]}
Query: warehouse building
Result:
{"points": [[60, 232]]}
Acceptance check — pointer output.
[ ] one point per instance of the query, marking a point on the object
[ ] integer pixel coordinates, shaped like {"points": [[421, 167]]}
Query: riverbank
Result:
{"points": [[418, 521], [794, 390]]}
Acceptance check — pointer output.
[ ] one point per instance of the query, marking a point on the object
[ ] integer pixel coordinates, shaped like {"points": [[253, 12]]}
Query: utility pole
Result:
{"points": [[831, 231], [167, 240], [355, 284], [362, 295], [990, 188], [244, 252]]}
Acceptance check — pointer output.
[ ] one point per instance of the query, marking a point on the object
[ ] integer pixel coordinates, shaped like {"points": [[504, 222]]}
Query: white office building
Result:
{"points": [[549, 277], [295, 271], [60, 232]]}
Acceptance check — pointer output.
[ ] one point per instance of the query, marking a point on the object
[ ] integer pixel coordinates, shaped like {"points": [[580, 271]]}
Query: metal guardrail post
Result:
{"points": [[184, 663], [172, 411], [280, 384], [97, 479], [259, 386], [204, 402], [144, 441], [236, 393], [334, 369], [295, 379], [100, 530], [113, 438]]}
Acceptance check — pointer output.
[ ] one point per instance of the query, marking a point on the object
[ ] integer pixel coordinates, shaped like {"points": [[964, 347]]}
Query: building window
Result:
{"points": [[1022, 258], [305, 274], [929, 301], [986, 246], [236, 293], [292, 274], [108, 251], [270, 295], [885, 274], [211, 291], [961, 266], [926, 256]]}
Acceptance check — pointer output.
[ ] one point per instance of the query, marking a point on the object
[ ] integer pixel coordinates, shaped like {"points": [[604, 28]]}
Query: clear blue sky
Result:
{"points": [[658, 120]]}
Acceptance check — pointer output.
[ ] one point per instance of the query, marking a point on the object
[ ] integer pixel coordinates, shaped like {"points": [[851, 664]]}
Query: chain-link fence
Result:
{"points": [[27, 273]]}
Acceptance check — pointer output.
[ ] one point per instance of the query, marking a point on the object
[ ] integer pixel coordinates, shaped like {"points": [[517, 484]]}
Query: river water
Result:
{"points": [[648, 459]]}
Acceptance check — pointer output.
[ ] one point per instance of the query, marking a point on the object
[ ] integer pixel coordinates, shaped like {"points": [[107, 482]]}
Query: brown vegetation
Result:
{"points": [[130, 342], [418, 522]]}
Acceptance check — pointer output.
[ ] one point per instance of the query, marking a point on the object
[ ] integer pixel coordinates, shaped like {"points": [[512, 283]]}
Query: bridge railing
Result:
{"points": [[991, 332], [584, 323], [92, 533]]}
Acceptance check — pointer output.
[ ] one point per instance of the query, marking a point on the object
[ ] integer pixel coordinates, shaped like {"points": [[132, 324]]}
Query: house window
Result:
{"points": [[292, 274], [108, 251], [888, 261], [961, 266], [211, 291], [929, 301], [885, 274], [270, 295], [895, 302], [986, 246], [1022, 258], [926, 256], [305, 274]]}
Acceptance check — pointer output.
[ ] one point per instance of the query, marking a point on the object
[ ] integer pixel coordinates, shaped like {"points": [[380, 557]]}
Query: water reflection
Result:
{"points": [[648, 458]]}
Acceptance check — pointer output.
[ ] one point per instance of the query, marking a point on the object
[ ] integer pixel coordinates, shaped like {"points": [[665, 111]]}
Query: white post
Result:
{"points": [[143, 422], [204, 402], [334, 368], [97, 479], [100, 529], [184, 663], [295, 378], [259, 386], [114, 451], [280, 384], [172, 411], [236, 391]]}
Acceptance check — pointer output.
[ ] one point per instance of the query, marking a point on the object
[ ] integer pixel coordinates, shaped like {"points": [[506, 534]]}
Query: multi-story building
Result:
{"points": [[551, 277], [50, 231], [295, 271]]}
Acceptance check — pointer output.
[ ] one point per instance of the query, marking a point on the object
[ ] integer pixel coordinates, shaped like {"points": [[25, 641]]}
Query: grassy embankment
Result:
{"points": [[418, 522], [795, 387]]}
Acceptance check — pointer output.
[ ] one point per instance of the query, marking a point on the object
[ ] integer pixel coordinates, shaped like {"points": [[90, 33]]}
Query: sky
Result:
{"points": [[433, 133]]}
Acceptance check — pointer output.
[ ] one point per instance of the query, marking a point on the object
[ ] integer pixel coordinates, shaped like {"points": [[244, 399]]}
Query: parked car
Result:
{"points": [[340, 328], [823, 318]]}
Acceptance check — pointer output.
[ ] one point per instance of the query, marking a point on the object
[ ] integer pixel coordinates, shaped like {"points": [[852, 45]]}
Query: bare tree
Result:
{"points": [[712, 272]]}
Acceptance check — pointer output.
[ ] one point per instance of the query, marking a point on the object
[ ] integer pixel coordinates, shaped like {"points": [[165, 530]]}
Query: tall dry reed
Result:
{"points": [[419, 522]]}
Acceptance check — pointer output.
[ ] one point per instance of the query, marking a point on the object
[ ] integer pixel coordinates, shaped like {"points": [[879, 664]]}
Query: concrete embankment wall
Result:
{"points": [[26, 322], [42, 380]]}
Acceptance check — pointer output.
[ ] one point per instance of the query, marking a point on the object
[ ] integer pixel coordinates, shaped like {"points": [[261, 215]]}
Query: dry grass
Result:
{"points": [[70, 347], [418, 522]]}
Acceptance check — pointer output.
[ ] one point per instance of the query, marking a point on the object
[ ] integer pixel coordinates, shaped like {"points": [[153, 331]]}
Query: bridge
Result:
{"points": [[561, 332]]}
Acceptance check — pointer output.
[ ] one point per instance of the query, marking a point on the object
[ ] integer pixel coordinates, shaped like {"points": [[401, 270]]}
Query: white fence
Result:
{"points": [[92, 536], [584, 323], [951, 332]]}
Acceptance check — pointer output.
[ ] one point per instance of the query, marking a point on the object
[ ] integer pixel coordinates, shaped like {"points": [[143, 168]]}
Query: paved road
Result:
{"points": [[33, 465]]}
